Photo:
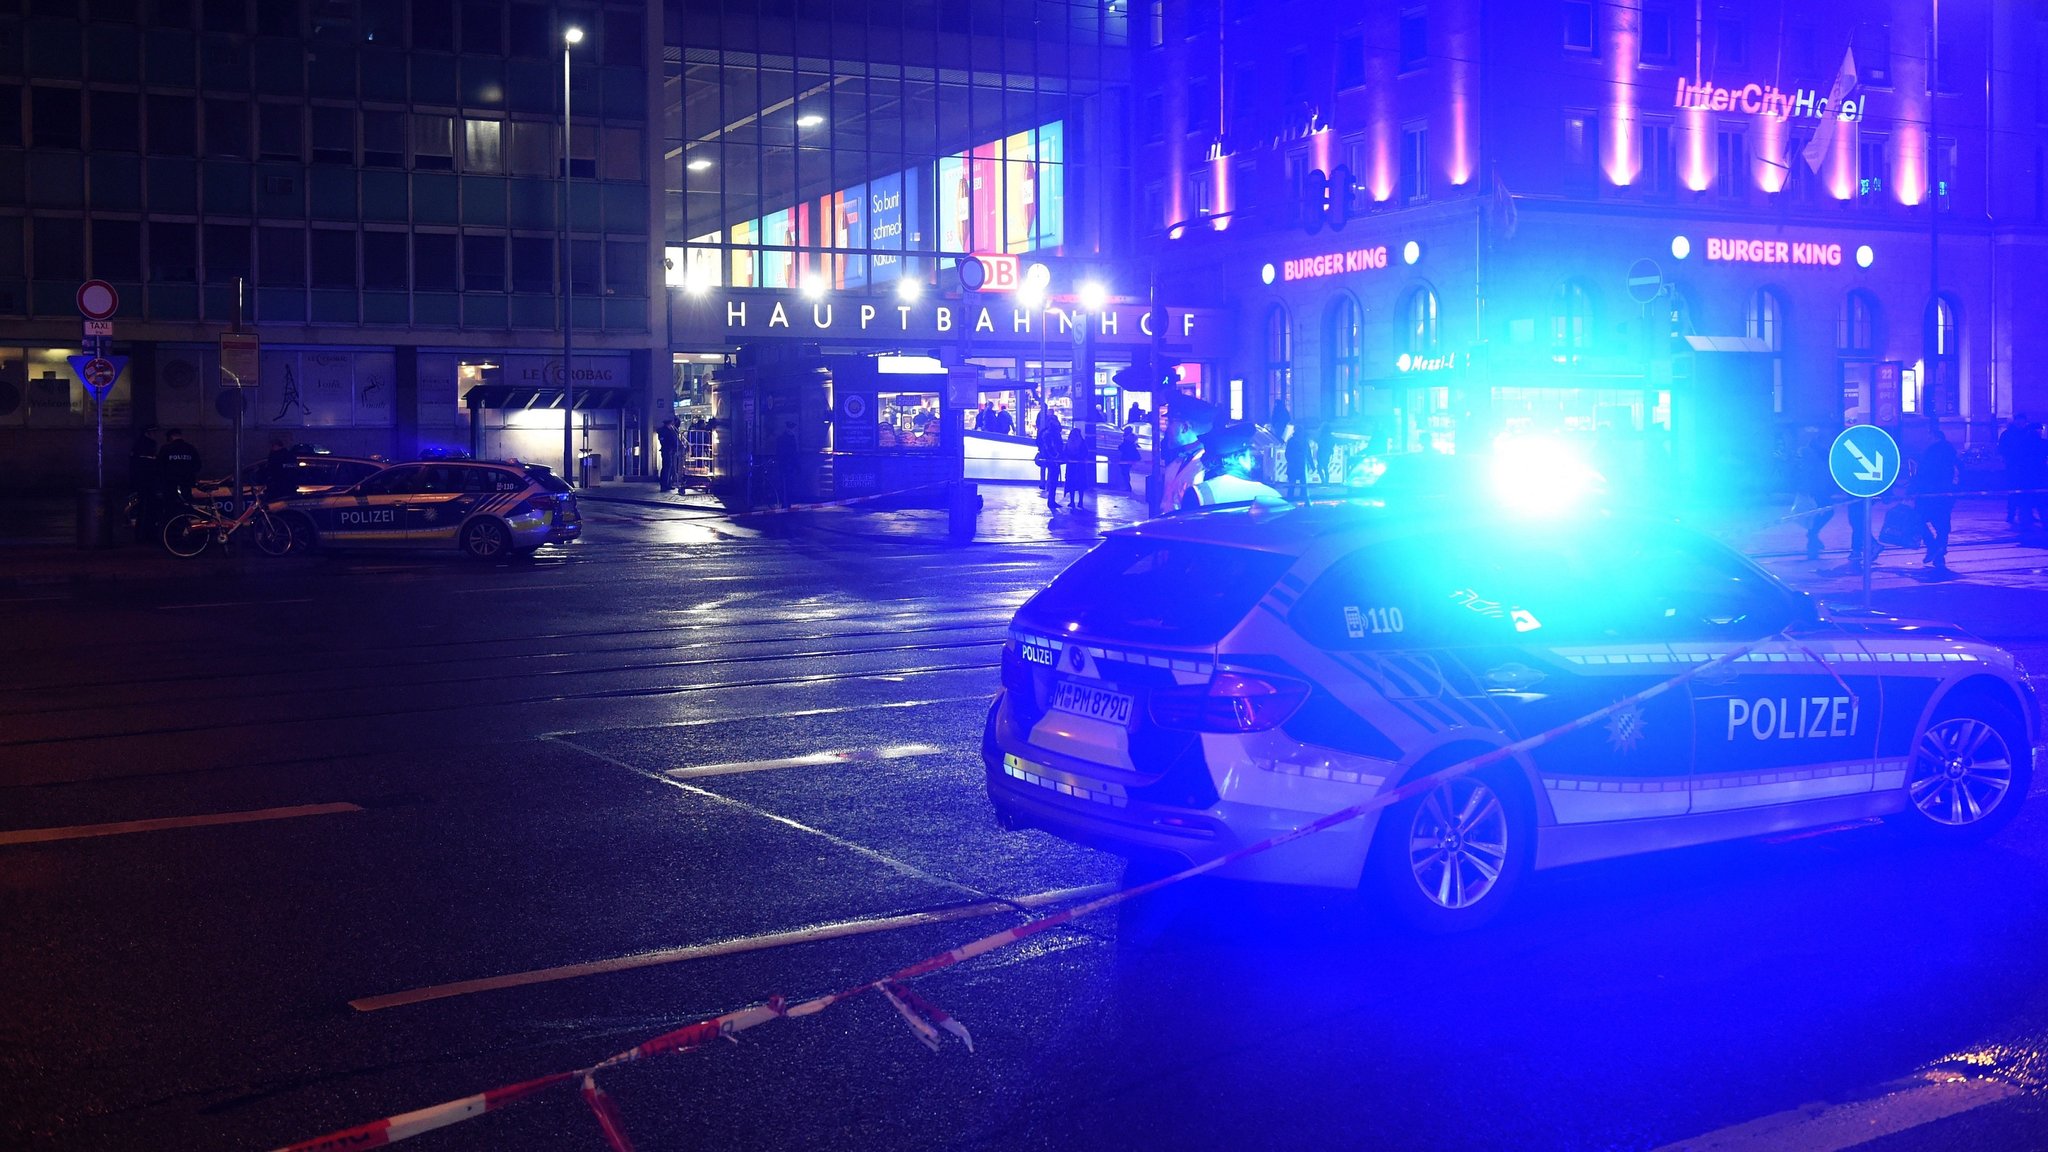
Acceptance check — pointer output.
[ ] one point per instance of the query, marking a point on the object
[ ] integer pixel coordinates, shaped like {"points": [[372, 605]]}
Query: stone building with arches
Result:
{"points": [[1437, 222]]}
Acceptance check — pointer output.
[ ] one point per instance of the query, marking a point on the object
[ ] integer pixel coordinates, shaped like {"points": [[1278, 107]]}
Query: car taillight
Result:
{"points": [[537, 506], [1229, 702]]}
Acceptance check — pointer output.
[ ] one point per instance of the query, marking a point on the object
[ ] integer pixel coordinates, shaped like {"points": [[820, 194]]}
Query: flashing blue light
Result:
{"points": [[1540, 476]]}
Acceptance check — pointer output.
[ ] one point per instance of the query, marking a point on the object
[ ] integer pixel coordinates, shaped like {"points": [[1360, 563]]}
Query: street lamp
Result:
{"points": [[571, 36]]}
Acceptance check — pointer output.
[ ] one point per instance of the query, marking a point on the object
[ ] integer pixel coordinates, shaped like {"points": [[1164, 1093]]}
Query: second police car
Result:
{"points": [[1203, 682], [488, 509]]}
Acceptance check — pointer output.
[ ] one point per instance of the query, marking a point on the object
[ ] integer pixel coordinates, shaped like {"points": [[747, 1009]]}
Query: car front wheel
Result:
{"points": [[1969, 772], [486, 540], [1450, 859]]}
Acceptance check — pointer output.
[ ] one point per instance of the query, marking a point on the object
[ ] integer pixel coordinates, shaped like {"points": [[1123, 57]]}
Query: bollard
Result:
{"points": [[962, 506], [95, 524]]}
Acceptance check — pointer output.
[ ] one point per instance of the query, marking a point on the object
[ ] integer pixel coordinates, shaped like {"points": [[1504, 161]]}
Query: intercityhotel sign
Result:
{"points": [[1764, 100], [743, 316]]}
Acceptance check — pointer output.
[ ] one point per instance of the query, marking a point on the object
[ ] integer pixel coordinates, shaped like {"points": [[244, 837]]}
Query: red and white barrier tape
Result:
{"points": [[927, 1020]]}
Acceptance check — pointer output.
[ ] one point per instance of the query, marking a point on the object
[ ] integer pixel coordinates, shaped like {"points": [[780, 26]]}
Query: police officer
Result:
{"points": [[177, 464], [1187, 421], [1227, 456], [665, 437], [143, 482], [280, 472]]}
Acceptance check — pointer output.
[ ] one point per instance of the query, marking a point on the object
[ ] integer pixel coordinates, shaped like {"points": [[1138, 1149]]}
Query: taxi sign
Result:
{"points": [[1864, 460]]}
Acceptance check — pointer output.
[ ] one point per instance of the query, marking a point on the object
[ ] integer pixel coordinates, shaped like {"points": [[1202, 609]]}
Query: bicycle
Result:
{"points": [[189, 532]]}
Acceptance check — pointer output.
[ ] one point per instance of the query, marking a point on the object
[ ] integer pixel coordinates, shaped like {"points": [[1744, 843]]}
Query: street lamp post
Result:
{"points": [[571, 37]]}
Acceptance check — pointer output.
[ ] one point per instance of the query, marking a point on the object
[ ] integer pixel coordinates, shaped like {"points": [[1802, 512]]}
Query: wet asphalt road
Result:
{"points": [[535, 765]]}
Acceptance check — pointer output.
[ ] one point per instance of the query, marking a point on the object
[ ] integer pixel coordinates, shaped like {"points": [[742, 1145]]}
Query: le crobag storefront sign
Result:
{"points": [[738, 317]]}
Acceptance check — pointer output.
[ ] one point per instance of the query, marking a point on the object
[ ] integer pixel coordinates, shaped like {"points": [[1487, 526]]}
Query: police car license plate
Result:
{"points": [[1094, 703]]}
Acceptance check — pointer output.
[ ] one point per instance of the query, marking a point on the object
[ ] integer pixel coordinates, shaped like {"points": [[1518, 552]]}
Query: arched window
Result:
{"points": [[1418, 322], [1571, 321], [1279, 359], [1766, 319], [1344, 346], [1942, 389], [1856, 325]]}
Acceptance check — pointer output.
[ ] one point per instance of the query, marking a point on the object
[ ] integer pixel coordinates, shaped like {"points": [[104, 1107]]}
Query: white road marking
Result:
{"points": [[831, 710], [1920, 1099], [86, 831], [809, 760], [231, 604], [881, 858], [835, 930]]}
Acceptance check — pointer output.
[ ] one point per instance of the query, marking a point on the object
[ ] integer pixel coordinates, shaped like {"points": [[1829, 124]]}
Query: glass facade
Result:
{"points": [[857, 145]]}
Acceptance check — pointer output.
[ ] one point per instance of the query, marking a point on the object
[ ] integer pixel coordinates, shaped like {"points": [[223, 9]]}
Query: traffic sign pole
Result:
{"points": [[1865, 462], [1869, 553]]}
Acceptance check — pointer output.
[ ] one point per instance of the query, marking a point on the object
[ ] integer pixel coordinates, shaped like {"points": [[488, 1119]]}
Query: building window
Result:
{"points": [[1941, 389], [1155, 117], [1344, 352], [435, 261], [1655, 44], [1731, 162], [1297, 187], [1944, 171], [116, 124], [280, 132], [1870, 169], [1154, 208], [334, 135], [1418, 322], [1201, 106], [1873, 46], [482, 149], [1578, 25], [1766, 319], [1655, 177], [334, 259], [173, 252], [1155, 23], [384, 261], [1414, 164], [433, 143], [1198, 203], [1244, 98], [281, 257], [53, 117], [383, 139], [1279, 359], [1581, 142], [227, 129], [227, 253], [1856, 325], [533, 264], [1571, 322], [483, 263], [1414, 38], [1350, 60], [1947, 72], [1730, 45]]}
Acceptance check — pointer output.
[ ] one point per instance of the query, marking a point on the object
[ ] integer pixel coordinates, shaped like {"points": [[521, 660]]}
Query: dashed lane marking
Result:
{"points": [[808, 760], [835, 930], [122, 828], [1921, 1099]]}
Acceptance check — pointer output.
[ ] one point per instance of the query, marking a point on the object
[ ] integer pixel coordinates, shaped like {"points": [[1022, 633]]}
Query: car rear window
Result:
{"points": [[1163, 591], [548, 481]]}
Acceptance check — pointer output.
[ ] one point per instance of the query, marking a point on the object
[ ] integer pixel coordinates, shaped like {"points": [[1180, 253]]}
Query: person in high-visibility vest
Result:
{"points": [[1227, 456]]}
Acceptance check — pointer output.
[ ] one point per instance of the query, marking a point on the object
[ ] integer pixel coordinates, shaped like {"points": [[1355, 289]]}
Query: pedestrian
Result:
{"points": [[1814, 485], [1127, 455], [1281, 417], [1227, 468], [177, 464], [1187, 421], [665, 438], [280, 472], [1934, 485], [2030, 461], [984, 416], [1136, 415], [1295, 453], [1318, 450], [144, 485], [999, 421], [786, 463], [2009, 450], [1051, 445], [1080, 466]]}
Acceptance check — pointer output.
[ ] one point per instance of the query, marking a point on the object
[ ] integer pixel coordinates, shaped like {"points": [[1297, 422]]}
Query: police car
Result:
{"points": [[1202, 682], [488, 509], [313, 470]]}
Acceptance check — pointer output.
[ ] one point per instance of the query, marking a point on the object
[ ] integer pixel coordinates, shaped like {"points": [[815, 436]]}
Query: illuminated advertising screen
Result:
{"points": [[778, 269], [892, 204], [955, 192]]}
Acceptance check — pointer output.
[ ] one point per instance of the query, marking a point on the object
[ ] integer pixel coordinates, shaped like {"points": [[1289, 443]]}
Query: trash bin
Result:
{"points": [[95, 518], [586, 464]]}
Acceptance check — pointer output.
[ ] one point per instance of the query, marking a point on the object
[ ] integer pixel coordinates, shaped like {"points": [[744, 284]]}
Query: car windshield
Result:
{"points": [[1163, 591]]}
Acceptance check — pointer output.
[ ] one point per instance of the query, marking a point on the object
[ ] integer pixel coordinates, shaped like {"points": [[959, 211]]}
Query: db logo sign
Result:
{"points": [[990, 273]]}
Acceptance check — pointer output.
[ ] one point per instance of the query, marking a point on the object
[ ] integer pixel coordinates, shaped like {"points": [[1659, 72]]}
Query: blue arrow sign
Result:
{"points": [[98, 373], [1864, 460]]}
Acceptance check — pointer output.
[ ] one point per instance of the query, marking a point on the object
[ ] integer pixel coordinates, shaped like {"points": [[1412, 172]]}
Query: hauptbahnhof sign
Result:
{"points": [[742, 316]]}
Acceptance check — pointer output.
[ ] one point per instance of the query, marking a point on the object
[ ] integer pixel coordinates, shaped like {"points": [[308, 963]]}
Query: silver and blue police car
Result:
{"points": [[488, 509], [1202, 682]]}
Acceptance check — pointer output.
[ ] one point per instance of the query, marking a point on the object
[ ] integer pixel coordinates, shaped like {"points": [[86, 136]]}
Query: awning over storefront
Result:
{"points": [[521, 397]]}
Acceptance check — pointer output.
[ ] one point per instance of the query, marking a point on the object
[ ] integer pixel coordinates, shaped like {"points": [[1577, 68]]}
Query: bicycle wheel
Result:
{"points": [[272, 536], [187, 534]]}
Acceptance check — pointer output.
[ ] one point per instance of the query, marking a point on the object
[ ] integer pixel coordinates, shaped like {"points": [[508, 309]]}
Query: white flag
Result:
{"points": [[1824, 136]]}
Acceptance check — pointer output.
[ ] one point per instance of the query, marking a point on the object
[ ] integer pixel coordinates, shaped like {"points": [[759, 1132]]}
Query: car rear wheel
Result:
{"points": [[486, 540], [1969, 772], [300, 528], [1450, 859]]}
